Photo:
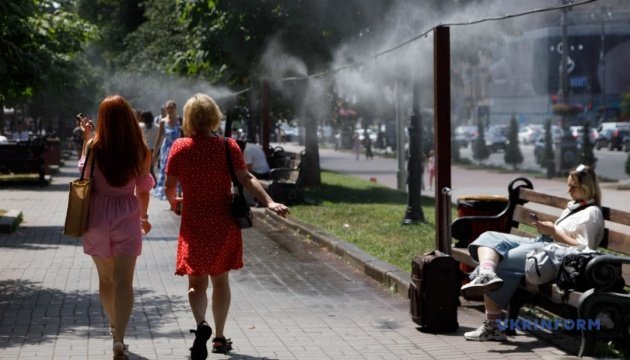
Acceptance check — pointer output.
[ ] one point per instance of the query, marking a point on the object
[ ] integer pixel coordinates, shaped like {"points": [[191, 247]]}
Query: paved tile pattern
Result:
{"points": [[291, 301]]}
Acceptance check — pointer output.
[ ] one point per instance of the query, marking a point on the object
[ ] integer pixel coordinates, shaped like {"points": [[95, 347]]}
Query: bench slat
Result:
{"points": [[617, 216], [544, 199], [618, 242], [515, 231]]}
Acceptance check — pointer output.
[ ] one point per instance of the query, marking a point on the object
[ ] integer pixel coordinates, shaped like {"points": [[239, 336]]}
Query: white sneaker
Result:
{"points": [[488, 331], [482, 283]]}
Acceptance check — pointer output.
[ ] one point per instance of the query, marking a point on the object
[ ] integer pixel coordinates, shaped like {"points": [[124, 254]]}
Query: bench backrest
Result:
{"points": [[615, 238]]}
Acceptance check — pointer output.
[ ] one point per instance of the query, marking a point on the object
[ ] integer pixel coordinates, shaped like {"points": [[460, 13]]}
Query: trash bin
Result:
{"points": [[480, 205]]}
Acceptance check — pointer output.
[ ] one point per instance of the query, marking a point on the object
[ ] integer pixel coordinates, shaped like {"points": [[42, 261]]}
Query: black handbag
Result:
{"points": [[239, 207]]}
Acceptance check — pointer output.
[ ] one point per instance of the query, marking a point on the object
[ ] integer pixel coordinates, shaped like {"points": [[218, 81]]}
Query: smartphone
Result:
{"points": [[533, 217]]}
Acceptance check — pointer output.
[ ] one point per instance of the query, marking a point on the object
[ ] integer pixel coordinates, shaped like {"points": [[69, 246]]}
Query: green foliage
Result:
{"points": [[369, 216], [586, 155], [513, 153], [480, 149], [39, 41], [624, 105]]}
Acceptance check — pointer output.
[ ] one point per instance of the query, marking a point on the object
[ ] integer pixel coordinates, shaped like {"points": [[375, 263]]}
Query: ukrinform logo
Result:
{"points": [[551, 325]]}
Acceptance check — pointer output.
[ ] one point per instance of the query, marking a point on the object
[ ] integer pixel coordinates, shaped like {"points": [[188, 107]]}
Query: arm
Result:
{"points": [[556, 233], [252, 185], [170, 190], [143, 196], [158, 141]]}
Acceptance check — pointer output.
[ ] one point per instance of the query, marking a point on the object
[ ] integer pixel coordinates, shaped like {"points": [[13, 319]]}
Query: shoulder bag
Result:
{"points": [[77, 215], [239, 207]]}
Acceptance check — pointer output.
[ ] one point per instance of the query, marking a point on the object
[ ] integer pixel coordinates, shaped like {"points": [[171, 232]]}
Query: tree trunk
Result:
{"points": [[311, 171]]}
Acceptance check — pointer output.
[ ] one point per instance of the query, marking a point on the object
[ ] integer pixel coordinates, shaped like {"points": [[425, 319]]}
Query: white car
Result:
{"points": [[530, 133]]}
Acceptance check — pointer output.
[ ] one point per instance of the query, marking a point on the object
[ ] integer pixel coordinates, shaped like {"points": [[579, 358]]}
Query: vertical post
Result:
{"points": [[401, 174], [602, 61], [442, 125], [414, 213], [265, 116]]}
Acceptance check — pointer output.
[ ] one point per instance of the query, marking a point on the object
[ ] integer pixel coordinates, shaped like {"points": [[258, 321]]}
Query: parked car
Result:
{"points": [[530, 133], [495, 141], [626, 143], [465, 134], [577, 132], [612, 138]]}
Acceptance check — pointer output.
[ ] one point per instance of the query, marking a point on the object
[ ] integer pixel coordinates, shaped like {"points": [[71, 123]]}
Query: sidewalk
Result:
{"points": [[291, 301]]}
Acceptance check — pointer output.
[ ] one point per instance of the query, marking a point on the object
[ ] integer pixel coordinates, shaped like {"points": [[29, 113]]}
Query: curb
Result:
{"points": [[10, 221], [385, 273]]}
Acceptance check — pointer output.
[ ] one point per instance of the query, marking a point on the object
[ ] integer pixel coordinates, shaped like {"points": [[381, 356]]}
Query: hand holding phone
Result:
{"points": [[533, 217]]}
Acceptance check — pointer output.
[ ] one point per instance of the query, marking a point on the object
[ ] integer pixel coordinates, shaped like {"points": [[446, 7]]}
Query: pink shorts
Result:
{"points": [[114, 228]]}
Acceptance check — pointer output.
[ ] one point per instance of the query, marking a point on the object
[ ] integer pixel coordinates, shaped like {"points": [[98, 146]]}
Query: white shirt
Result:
{"points": [[149, 134], [255, 157], [586, 226]]}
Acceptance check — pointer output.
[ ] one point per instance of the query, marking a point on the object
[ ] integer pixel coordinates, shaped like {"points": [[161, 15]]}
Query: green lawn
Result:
{"points": [[369, 215]]}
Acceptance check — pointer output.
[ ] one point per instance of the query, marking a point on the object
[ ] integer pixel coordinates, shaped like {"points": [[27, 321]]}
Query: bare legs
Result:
{"points": [[116, 290], [221, 298]]}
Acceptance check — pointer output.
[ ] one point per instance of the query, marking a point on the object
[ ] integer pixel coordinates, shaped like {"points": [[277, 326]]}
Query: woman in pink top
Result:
{"points": [[118, 208]]}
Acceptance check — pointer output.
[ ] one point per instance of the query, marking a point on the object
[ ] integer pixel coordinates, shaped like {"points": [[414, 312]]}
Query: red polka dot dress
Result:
{"points": [[210, 241]]}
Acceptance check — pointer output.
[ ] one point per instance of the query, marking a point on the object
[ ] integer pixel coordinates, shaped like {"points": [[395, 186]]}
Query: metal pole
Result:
{"points": [[602, 60], [446, 226], [401, 174], [414, 213], [442, 124], [265, 117]]}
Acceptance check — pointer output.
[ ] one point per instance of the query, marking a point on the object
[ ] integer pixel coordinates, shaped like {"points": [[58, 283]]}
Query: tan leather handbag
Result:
{"points": [[77, 215]]}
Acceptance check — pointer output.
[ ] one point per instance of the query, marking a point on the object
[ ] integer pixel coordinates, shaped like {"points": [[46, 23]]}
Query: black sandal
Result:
{"points": [[221, 345], [199, 351]]}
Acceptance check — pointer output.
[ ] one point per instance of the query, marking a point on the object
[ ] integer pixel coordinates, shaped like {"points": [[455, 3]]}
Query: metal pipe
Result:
{"points": [[444, 245]]}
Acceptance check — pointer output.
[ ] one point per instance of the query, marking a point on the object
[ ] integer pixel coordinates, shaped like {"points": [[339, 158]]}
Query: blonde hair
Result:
{"points": [[201, 114], [586, 178]]}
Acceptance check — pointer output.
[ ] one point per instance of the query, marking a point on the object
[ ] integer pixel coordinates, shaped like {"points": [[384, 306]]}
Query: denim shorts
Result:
{"points": [[511, 268]]}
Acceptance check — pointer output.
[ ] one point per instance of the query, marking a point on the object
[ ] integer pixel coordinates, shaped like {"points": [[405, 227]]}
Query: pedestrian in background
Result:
{"points": [[118, 208], [149, 131], [210, 242], [356, 145], [168, 131]]}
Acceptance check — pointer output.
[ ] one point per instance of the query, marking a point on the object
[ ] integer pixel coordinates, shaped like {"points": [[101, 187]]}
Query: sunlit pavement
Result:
{"points": [[291, 301]]}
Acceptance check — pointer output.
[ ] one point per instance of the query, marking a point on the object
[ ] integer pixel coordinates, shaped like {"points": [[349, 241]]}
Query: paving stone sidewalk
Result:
{"points": [[291, 301]]}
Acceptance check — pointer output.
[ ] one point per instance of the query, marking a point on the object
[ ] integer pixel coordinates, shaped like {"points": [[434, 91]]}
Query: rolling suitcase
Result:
{"points": [[434, 292]]}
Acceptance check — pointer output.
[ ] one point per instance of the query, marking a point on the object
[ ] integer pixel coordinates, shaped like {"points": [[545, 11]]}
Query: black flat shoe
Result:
{"points": [[221, 345], [199, 351]]}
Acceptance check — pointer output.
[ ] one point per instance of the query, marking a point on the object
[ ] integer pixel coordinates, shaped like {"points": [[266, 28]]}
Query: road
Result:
{"points": [[610, 164]]}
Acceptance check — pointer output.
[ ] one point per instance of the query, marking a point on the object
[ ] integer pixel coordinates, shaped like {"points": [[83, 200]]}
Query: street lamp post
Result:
{"points": [[605, 13], [414, 213]]}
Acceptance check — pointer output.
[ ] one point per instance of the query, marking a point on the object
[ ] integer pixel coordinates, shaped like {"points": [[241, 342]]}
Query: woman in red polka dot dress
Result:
{"points": [[210, 242]]}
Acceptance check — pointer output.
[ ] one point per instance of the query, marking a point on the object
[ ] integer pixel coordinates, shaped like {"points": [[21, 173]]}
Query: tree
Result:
{"points": [[548, 158], [587, 157], [39, 42], [513, 153], [480, 149], [625, 105]]}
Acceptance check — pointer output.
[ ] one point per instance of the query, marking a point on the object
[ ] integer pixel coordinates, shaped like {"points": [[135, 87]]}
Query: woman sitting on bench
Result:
{"points": [[501, 256]]}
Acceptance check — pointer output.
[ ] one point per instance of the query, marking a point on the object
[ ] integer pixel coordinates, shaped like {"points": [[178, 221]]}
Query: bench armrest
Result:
{"points": [[604, 272], [283, 173]]}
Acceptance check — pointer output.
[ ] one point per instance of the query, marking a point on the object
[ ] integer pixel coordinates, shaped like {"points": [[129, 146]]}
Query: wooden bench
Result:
{"points": [[285, 181], [591, 304], [24, 157]]}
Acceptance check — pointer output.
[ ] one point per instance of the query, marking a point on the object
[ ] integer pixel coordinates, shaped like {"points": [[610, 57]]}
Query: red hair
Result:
{"points": [[119, 147]]}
